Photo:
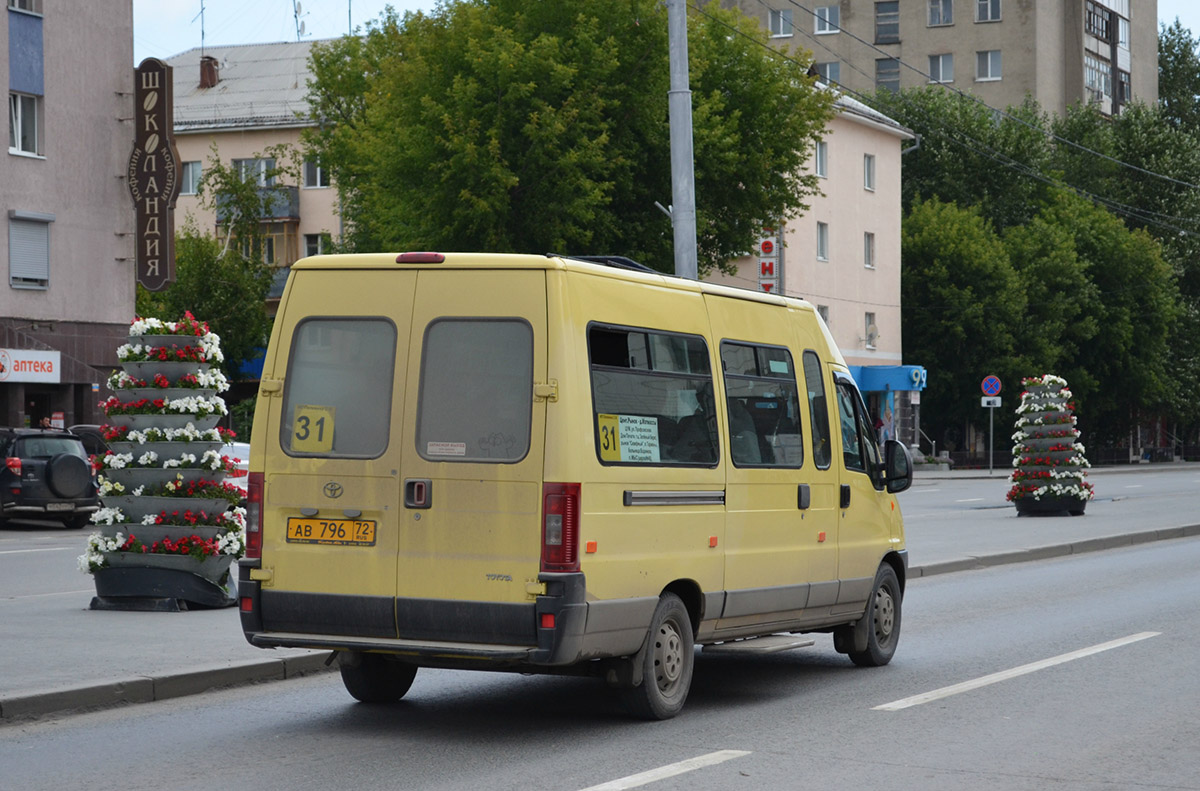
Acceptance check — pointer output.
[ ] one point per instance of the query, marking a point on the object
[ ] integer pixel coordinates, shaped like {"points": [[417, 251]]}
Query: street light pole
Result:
{"points": [[683, 182]]}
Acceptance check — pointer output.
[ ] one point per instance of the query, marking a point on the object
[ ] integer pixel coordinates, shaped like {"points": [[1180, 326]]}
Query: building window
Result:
{"points": [[256, 170], [1122, 32], [887, 74], [941, 68], [869, 172], [24, 124], [781, 23], [941, 12], [821, 159], [29, 249], [830, 73], [1098, 21], [1097, 77], [869, 250], [987, 65], [32, 6], [871, 332], [315, 175], [987, 10], [190, 178], [822, 241], [887, 22], [823, 312], [1124, 87], [317, 243], [828, 19]]}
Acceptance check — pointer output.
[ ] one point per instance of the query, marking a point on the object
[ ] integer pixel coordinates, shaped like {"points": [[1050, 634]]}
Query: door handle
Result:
{"points": [[845, 495], [418, 493], [803, 497]]}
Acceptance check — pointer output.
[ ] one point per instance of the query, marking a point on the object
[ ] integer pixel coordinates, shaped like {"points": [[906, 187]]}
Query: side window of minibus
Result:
{"points": [[818, 411], [763, 407], [859, 439]]}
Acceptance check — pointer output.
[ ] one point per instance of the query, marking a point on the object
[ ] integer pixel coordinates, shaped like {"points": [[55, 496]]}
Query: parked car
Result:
{"points": [[92, 436], [46, 475]]}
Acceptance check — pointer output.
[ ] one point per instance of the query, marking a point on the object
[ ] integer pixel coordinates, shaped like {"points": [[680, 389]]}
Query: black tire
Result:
{"points": [[68, 476], [667, 661], [883, 624], [78, 522], [375, 678]]}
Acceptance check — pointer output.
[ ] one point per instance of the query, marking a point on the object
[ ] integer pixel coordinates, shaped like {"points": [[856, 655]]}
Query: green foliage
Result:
{"points": [[538, 127], [962, 304], [1179, 76], [220, 287]]}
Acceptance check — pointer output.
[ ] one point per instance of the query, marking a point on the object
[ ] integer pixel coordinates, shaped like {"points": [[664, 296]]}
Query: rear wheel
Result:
{"points": [[375, 678], [882, 620], [666, 663]]}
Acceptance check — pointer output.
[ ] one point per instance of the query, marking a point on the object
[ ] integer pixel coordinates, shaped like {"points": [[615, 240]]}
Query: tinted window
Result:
{"points": [[652, 396], [476, 396], [338, 394], [764, 411], [818, 410], [48, 447]]}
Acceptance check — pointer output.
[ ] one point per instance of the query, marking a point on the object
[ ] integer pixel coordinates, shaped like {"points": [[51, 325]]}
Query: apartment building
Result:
{"points": [[244, 100], [67, 218], [1060, 53], [843, 255]]}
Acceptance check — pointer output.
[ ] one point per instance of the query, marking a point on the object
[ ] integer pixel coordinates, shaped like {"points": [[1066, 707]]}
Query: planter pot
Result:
{"points": [[142, 588], [165, 450], [132, 394], [148, 534], [1042, 444], [172, 370], [1050, 506], [133, 477], [158, 341], [136, 508], [143, 422], [211, 568], [1043, 391]]}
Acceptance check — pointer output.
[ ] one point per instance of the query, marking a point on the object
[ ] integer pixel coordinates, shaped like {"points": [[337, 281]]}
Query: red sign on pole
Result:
{"points": [[991, 385]]}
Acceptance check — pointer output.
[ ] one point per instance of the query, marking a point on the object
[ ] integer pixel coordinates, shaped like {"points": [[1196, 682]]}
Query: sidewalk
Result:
{"points": [[78, 658]]}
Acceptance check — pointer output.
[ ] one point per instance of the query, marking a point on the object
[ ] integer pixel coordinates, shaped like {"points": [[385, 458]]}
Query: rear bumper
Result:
{"points": [[49, 510], [545, 633]]}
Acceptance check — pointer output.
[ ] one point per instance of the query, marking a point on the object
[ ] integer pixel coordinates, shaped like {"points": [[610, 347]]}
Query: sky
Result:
{"points": [[162, 28]]}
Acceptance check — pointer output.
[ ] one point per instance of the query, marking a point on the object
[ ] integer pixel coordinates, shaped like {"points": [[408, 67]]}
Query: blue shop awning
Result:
{"points": [[880, 378]]}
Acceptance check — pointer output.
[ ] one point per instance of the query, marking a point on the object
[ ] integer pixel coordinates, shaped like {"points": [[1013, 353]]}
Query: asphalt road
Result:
{"points": [[1096, 690]]}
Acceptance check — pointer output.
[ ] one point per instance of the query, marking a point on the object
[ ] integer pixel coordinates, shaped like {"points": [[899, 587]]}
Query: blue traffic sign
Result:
{"points": [[991, 385]]}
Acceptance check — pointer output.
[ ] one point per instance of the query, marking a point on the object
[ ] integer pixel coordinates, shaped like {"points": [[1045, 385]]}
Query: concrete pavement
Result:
{"points": [[61, 656]]}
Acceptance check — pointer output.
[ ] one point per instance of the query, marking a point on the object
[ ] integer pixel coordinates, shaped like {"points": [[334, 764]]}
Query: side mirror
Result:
{"points": [[897, 466]]}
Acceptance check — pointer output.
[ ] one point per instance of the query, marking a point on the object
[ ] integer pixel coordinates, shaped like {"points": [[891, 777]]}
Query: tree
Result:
{"points": [[539, 127], [1179, 76], [962, 303]]}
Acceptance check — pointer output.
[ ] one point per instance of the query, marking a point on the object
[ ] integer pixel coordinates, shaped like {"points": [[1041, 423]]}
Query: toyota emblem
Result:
{"points": [[333, 490]]}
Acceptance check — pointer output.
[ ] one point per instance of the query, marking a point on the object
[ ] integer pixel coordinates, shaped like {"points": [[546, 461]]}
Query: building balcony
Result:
{"points": [[283, 203]]}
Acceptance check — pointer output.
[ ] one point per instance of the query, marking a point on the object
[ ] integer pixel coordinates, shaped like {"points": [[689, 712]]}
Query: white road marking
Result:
{"points": [[921, 490], [1134, 486], [1005, 675], [670, 770], [40, 549], [43, 595], [970, 500]]}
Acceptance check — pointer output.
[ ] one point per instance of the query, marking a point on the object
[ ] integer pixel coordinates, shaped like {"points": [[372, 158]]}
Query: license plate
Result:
{"points": [[60, 506], [334, 532]]}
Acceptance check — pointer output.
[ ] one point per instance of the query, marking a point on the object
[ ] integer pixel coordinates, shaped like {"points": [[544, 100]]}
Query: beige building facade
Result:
{"points": [[843, 256], [66, 230], [1060, 52]]}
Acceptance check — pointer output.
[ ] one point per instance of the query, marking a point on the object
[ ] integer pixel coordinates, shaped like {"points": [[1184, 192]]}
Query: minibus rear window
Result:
{"points": [[338, 396], [652, 397], [476, 397]]}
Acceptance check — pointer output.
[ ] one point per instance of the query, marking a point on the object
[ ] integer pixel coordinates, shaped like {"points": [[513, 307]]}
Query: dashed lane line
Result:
{"points": [[670, 770]]}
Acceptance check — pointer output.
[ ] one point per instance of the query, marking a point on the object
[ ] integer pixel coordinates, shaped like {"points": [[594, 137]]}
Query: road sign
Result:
{"points": [[990, 401], [991, 385]]}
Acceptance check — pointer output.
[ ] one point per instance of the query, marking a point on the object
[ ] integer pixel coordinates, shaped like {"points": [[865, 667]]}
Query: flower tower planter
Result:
{"points": [[1049, 474], [170, 527]]}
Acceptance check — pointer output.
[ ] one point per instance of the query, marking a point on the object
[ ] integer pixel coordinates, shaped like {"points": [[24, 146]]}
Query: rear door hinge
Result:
{"points": [[545, 391], [270, 386]]}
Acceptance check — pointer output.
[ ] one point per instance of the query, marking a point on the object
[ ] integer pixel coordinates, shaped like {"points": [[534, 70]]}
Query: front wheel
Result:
{"points": [[375, 678], [666, 663], [882, 620]]}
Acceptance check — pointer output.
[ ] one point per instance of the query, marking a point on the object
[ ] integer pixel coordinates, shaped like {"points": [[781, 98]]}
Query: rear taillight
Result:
{"points": [[14, 464], [560, 527], [254, 490]]}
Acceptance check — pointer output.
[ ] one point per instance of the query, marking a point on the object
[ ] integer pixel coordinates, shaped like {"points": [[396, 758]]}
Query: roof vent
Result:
{"points": [[209, 72]]}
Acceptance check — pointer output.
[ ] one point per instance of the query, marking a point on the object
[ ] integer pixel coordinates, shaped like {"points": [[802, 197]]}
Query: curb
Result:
{"points": [[146, 689], [976, 562]]}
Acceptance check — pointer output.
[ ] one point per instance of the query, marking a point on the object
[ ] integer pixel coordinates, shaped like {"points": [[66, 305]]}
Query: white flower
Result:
{"points": [[108, 487], [145, 326], [148, 458], [108, 516], [212, 379]]}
